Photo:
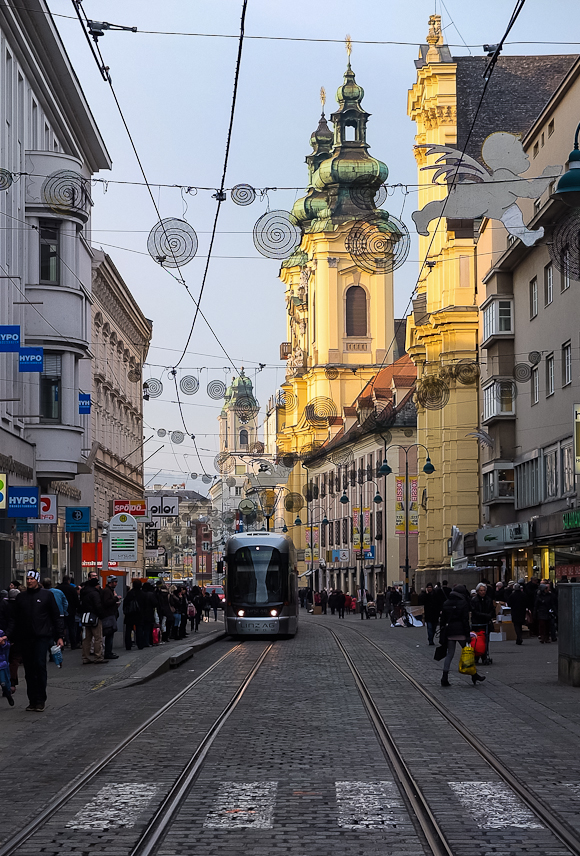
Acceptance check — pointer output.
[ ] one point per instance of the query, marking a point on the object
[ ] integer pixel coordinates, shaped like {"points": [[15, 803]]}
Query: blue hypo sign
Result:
{"points": [[84, 403], [9, 337], [23, 501], [31, 360]]}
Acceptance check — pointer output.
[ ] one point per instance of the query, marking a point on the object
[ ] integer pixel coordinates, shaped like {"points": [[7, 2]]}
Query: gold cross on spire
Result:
{"points": [[348, 42], [322, 97]]}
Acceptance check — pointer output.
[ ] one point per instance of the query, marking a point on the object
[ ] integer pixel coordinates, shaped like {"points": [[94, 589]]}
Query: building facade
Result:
{"points": [[182, 547], [50, 147]]}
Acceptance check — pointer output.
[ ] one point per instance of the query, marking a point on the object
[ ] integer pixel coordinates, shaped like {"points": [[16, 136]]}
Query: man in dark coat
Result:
{"points": [[544, 610], [432, 601], [111, 602], [92, 603], [517, 605], [530, 591], [164, 611], [148, 603], [455, 628], [133, 616], [36, 624], [74, 605]]}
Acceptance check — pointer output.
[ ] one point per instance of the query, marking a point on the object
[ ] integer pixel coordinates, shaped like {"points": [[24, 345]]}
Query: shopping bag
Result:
{"points": [[480, 646], [467, 661], [440, 652]]}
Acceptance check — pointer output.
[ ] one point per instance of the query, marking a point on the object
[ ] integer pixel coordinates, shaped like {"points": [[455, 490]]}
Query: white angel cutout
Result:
{"points": [[474, 192]]}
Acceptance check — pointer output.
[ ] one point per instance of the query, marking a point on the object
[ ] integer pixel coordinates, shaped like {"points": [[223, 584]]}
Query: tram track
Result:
{"points": [[556, 824], [156, 827]]}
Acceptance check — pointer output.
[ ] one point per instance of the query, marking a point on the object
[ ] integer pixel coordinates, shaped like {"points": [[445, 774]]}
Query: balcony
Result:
{"points": [[499, 484]]}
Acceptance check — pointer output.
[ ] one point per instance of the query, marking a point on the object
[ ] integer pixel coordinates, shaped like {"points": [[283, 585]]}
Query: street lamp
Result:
{"points": [[386, 470], [568, 187]]}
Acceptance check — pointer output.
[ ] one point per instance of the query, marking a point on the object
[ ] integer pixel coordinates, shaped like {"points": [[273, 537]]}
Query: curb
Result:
{"points": [[163, 662]]}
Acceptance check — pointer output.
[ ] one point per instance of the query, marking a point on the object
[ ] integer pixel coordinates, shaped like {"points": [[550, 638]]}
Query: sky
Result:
{"points": [[175, 92]]}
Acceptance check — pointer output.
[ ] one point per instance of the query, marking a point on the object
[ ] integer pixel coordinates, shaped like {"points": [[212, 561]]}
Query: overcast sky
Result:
{"points": [[175, 92]]}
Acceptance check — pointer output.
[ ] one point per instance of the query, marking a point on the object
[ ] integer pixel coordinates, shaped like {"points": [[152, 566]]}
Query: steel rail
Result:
{"points": [[157, 827], [12, 844], [557, 825], [419, 805]]}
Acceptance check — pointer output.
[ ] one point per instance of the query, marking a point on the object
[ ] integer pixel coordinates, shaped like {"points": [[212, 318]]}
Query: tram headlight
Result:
{"points": [[241, 613], [274, 613]]}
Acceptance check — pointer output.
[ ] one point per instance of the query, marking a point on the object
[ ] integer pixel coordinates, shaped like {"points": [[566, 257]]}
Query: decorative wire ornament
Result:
{"points": [[161, 432], [277, 234], [185, 518], [224, 463], [505, 391], [230, 481], [193, 476], [65, 191], [216, 389], [288, 460], [293, 502], [206, 479], [189, 384], [243, 194], [341, 457], [386, 437], [309, 449], [229, 518], [432, 393], [366, 196], [320, 412], [377, 245], [172, 242], [310, 491], [522, 372], [466, 372], [154, 387], [177, 437], [257, 448], [6, 179], [246, 408], [285, 399], [267, 500], [134, 375], [331, 373], [535, 357], [565, 247]]}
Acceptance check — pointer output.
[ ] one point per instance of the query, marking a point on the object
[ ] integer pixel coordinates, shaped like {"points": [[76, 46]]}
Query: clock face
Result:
{"points": [[246, 506]]}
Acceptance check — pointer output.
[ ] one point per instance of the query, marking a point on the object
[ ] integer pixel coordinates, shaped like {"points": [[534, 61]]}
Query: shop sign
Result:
{"points": [[23, 501], [84, 403], [571, 519], [78, 519], [31, 360], [340, 555], [48, 510], [367, 553], [88, 555], [163, 506], [3, 489], [9, 338], [136, 507]]}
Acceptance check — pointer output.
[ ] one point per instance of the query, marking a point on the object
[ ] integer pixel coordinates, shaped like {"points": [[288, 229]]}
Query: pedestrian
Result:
{"points": [[17, 585], [70, 619], [5, 681], [340, 603], [348, 603], [206, 605], [182, 597], [191, 613], [380, 603], [482, 612], [455, 628], [36, 625], [148, 603], [531, 590], [500, 593], [61, 600], [544, 610], [165, 613], [198, 602], [517, 605], [326, 601], [92, 621], [132, 615], [432, 601], [362, 601], [111, 601], [215, 603], [446, 588]]}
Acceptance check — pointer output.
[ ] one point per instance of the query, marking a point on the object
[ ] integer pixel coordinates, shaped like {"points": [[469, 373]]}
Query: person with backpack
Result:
{"points": [[132, 613], [454, 623]]}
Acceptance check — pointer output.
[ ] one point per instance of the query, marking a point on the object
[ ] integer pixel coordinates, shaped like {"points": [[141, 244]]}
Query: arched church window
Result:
{"points": [[243, 437], [356, 311]]}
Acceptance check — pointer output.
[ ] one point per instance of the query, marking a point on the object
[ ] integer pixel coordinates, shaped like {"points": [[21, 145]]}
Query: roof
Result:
{"points": [[402, 374], [518, 90]]}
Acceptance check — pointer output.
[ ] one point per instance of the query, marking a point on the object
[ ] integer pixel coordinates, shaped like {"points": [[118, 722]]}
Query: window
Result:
{"points": [[567, 469], [331, 534], [488, 492], [550, 128], [378, 525], [551, 473], [238, 491], [356, 311], [497, 318], [550, 375], [499, 399], [51, 389], [536, 149], [548, 284], [345, 530], [566, 364], [528, 483], [566, 271], [534, 297], [498, 484], [206, 546], [243, 437], [535, 385], [323, 536], [337, 532], [49, 266]]}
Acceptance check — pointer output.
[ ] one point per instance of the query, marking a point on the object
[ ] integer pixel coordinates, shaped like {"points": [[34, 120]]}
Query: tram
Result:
{"points": [[261, 585]]}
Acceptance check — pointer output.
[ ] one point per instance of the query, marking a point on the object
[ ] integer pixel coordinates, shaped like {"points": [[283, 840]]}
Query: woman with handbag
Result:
{"points": [[454, 623]]}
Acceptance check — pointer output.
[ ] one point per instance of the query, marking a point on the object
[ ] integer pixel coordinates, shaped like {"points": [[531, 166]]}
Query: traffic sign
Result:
{"points": [[78, 519]]}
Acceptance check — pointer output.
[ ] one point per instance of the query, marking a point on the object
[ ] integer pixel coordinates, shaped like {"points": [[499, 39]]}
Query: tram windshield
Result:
{"points": [[258, 575]]}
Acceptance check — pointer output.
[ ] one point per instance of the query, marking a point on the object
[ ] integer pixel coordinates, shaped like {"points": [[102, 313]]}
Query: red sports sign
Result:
{"points": [[136, 507]]}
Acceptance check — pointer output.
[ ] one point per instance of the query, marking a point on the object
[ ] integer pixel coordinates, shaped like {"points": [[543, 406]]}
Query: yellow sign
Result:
{"points": [[366, 527], [356, 526], [3, 489]]}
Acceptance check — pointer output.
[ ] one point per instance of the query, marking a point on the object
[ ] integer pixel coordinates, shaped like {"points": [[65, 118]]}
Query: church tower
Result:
{"points": [[340, 316], [238, 419]]}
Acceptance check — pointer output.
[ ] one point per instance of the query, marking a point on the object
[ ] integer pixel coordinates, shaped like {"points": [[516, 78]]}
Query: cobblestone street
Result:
{"points": [[297, 766]]}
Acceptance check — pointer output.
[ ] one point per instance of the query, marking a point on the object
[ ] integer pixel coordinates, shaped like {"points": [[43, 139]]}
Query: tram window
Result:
{"points": [[258, 575]]}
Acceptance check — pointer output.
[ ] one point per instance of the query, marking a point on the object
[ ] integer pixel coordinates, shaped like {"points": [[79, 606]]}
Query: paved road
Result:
{"points": [[297, 767]]}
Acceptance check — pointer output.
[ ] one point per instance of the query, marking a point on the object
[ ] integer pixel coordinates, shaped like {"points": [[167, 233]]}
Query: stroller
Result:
{"points": [[371, 609]]}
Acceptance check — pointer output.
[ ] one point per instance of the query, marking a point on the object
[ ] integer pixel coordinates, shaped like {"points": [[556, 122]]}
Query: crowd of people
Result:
{"points": [[36, 616], [341, 603]]}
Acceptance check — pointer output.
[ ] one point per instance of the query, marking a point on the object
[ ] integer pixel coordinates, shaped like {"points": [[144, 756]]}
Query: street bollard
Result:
{"points": [[569, 634]]}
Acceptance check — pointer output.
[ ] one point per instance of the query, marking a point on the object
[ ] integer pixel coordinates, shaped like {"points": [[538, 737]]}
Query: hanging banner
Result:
{"points": [[308, 551], [400, 505], [366, 528], [316, 545], [413, 504], [84, 403], [31, 360], [9, 338], [356, 521]]}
